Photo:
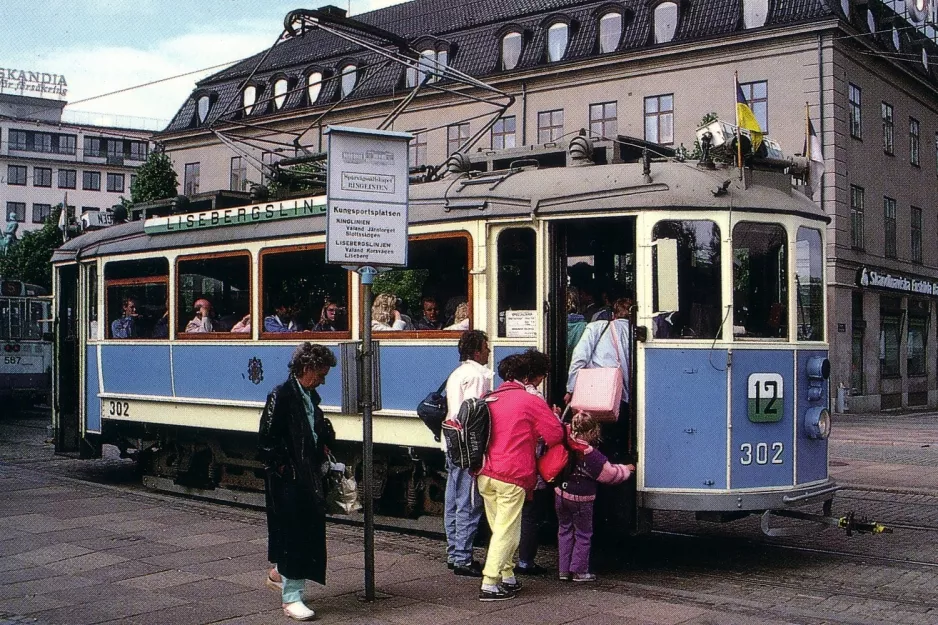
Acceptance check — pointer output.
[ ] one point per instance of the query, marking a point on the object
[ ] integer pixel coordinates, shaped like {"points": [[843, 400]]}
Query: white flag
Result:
{"points": [[814, 151]]}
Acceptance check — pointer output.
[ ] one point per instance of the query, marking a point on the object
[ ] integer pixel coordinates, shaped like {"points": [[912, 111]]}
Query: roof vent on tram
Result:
{"points": [[581, 150], [180, 204], [458, 163]]}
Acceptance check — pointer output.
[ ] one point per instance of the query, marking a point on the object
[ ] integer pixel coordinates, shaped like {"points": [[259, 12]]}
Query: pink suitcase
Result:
{"points": [[598, 391]]}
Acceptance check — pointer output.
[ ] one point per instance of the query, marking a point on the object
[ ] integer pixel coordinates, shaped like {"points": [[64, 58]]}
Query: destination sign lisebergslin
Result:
{"points": [[238, 215]]}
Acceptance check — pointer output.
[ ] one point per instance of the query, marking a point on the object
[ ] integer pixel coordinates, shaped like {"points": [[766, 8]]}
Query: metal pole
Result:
{"points": [[367, 276]]}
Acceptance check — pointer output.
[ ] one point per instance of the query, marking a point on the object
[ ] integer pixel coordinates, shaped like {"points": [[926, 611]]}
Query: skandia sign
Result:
{"points": [[42, 83], [870, 278], [238, 216]]}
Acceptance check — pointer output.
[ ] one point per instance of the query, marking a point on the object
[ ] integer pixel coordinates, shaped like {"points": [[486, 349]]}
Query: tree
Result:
{"points": [[156, 179], [29, 259]]}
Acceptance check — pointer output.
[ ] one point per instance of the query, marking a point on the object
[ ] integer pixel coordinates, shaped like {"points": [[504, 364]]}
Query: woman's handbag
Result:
{"points": [[598, 391], [553, 462]]}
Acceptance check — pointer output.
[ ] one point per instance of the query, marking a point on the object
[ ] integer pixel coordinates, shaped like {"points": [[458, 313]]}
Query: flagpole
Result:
{"points": [[807, 141], [739, 134]]}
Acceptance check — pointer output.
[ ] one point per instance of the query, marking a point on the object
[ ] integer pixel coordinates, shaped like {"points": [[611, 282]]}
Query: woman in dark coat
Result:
{"points": [[293, 438]]}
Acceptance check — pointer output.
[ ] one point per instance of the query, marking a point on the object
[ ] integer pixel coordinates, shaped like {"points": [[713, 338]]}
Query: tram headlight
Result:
{"points": [[818, 368], [817, 422]]}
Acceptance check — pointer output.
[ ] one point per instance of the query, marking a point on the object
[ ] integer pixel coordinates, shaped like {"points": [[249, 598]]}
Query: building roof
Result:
{"points": [[471, 30]]}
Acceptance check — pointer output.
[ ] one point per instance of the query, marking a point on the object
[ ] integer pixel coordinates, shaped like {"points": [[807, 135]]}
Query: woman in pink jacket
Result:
{"points": [[509, 474]]}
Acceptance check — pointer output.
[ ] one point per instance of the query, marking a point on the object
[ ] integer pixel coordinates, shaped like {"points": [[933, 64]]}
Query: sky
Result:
{"points": [[101, 46]]}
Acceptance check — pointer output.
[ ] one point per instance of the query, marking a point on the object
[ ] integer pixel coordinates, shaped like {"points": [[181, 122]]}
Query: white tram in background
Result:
{"points": [[25, 343], [730, 371]]}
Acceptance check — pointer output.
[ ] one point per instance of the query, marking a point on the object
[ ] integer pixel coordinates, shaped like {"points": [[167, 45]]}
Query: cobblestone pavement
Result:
{"points": [[81, 543]]}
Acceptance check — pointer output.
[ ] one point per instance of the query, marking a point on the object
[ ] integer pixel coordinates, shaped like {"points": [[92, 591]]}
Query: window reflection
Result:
{"points": [[250, 97], [511, 50], [557, 37], [610, 32], [313, 86], [665, 22], [760, 281], [809, 285]]}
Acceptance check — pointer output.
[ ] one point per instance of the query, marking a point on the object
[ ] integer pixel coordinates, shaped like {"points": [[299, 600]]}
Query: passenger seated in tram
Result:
{"points": [[431, 315], [202, 322], [460, 318], [327, 318], [161, 327], [282, 319], [126, 326], [385, 316], [244, 325]]}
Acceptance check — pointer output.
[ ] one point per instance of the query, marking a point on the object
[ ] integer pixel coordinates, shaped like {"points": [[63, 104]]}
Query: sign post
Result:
{"points": [[366, 229]]}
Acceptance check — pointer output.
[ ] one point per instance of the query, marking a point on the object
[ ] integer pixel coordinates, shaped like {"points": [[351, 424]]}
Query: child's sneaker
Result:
{"points": [[565, 577], [499, 594], [584, 577], [512, 586]]}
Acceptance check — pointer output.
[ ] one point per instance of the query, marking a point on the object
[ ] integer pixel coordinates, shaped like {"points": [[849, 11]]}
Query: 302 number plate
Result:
{"points": [[114, 409], [761, 453]]}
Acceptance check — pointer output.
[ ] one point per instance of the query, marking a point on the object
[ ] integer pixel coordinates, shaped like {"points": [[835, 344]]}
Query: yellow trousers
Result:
{"points": [[503, 503]]}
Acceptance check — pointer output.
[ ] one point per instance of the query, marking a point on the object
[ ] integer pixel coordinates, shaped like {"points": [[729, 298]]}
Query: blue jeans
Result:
{"points": [[461, 514], [292, 590]]}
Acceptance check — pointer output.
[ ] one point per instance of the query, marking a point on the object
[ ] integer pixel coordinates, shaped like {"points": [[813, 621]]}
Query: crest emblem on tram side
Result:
{"points": [[255, 370]]}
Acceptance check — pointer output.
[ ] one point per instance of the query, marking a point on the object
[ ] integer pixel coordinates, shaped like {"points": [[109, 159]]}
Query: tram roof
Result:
{"points": [[595, 190]]}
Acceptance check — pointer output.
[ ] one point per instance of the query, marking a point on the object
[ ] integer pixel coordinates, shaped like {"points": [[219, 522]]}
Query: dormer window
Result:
{"points": [[511, 50], [203, 106], [280, 93], [665, 22], [313, 86], [349, 78], [430, 62], [249, 99], [610, 32], [918, 11], [557, 37], [755, 12]]}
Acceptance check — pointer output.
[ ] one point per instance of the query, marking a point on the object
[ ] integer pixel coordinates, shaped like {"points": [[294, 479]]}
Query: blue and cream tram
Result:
{"points": [[25, 342], [730, 409]]}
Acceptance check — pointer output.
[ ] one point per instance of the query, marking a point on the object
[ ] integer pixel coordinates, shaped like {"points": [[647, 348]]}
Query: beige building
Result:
{"points": [[649, 70], [45, 161]]}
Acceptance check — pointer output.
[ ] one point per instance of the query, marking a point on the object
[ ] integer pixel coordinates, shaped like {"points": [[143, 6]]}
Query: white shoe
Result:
{"points": [[298, 611]]}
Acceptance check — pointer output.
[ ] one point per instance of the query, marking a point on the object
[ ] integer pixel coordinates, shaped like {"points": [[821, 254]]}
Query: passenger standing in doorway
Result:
{"points": [[463, 505], [608, 344], [293, 439]]}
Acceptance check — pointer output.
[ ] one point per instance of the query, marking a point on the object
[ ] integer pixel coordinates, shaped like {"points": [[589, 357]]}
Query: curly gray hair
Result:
{"points": [[311, 356]]}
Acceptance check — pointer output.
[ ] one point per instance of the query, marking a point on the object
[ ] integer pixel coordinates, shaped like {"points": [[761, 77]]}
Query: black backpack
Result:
{"points": [[467, 434], [432, 410]]}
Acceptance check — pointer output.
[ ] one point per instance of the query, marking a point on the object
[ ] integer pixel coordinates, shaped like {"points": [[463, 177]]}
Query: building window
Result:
{"points": [[914, 141], [138, 150], [659, 119], [889, 130], [67, 144], [755, 13], [603, 122], [916, 232], [91, 180], [917, 337], [93, 147], [417, 151], [239, 174], [456, 135], [42, 176], [280, 93], [115, 183], [610, 32], [549, 126], [349, 79], [313, 87], [665, 22], [857, 201], [757, 94], [42, 142], [191, 179], [115, 148], [890, 326], [429, 63], [16, 175], [17, 139], [202, 107], [133, 181], [889, 226], [558, 35], [249, 98], [511, 50], [856, 121], [41, 212], [503, 133], [16, 210], [67, 178]]}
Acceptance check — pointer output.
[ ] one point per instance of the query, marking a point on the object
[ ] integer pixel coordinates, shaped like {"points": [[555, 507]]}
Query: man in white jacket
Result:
{"points": [[463, 504]]}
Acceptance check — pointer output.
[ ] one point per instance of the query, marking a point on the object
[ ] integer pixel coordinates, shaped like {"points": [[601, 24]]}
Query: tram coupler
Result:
{"points": [[849, 523]]}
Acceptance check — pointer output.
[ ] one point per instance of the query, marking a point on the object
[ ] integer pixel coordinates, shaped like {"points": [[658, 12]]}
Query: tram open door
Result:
{"points": [[67, 378]]}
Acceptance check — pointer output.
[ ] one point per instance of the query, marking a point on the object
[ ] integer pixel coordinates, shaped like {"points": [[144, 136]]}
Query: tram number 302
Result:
{"points": [[761, 453], [118, 409]]}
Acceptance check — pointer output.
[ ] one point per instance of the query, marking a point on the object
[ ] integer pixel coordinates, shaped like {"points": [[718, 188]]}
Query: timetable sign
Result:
{"points": [[366, 214]]}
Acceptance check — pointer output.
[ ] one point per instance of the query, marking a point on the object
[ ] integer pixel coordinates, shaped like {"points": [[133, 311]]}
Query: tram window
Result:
{"points": [[135, 298], [517, 269], [11, 317], [698, 280], [92, 277], [760, 281], [809, 285], [309, 294], [214, 294], [437, 271]]}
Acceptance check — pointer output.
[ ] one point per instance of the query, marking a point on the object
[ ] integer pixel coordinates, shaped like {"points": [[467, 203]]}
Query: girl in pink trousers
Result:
{"points": [[575, 496]]}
